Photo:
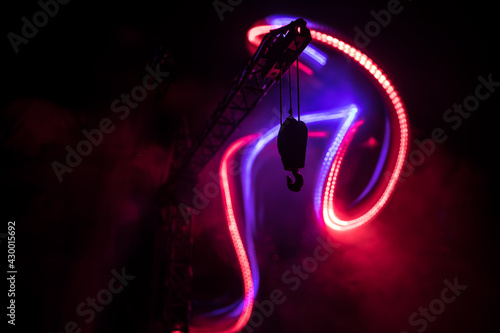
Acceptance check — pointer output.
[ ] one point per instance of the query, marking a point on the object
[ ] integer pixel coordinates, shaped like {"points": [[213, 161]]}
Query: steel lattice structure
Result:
{"points": [[277, 51], [274, 56]]}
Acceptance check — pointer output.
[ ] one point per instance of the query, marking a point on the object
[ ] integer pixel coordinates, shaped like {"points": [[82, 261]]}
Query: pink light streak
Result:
{"points": [[235, 234]]}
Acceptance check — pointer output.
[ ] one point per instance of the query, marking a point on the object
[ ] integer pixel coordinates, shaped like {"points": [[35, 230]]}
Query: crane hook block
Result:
{"points": [[292, 143]]}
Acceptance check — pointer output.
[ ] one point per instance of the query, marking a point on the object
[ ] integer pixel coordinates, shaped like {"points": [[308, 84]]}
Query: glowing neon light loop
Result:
{"points": [[324, 196], [330, 218]]}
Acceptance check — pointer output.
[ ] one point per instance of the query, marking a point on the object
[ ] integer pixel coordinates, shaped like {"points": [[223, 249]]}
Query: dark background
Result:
{"points": [[440, 224]]}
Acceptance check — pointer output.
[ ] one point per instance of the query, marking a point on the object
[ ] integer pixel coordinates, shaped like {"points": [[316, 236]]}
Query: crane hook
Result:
{"points": [[299, 181]]}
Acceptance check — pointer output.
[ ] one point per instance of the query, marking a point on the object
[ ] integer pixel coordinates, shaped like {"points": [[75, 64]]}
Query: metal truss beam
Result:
{"points": [[277, 51]]}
